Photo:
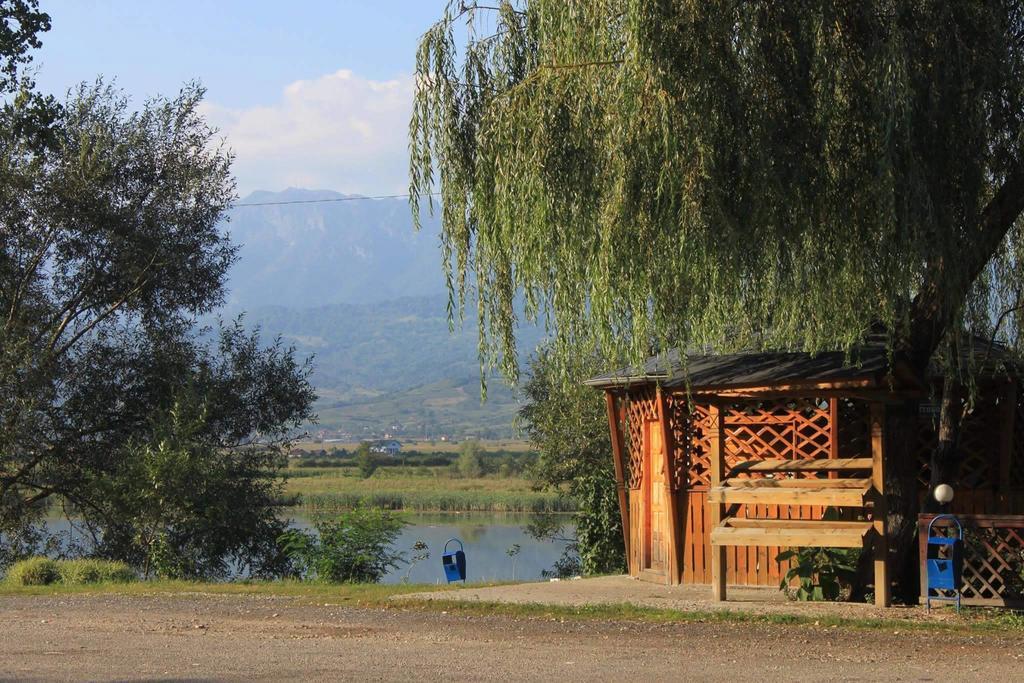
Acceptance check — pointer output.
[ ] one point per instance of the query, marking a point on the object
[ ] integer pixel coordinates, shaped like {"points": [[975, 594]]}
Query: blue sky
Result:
{"points": [[310, 94]]}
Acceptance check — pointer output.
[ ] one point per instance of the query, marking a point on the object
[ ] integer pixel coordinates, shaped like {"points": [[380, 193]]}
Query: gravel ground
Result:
{"points": [[202, 637]]}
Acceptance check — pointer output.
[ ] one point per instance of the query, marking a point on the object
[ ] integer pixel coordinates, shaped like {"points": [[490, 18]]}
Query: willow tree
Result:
{"points": [[647, 174]]}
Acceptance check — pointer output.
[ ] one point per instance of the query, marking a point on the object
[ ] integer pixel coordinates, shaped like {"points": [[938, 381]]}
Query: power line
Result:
{"points": [[323, 201]]}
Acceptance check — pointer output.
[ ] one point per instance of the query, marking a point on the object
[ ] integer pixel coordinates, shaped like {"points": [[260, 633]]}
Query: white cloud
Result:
{"points": [[339, 132]]}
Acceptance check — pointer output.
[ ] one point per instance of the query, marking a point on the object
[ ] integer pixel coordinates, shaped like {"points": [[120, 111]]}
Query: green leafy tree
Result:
{"points": [[567, 425], [110, 249], [355, 547], [181, 505], [647, 175], [470, 462]]}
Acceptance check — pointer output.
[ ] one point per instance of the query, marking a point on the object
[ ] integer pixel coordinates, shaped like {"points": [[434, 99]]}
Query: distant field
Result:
{"points": [[424, 489], [511, 445]]}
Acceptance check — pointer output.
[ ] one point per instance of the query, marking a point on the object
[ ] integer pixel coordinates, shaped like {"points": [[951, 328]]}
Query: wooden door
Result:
{"points": [[656, 508]]}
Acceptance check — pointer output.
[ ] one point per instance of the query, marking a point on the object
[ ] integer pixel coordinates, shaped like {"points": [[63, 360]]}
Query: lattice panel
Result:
{"points": [[979, 443], [688, 424], [790, 429], [641, 406], [993, 568], [993, 564], [754, 430]]}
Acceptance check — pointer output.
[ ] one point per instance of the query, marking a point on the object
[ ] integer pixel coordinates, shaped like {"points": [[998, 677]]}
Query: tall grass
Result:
{"points": [[437, 501]]}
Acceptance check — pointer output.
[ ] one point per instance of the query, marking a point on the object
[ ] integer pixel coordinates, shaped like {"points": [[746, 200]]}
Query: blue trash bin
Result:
{"points": [[454, 563], [944, 563]]}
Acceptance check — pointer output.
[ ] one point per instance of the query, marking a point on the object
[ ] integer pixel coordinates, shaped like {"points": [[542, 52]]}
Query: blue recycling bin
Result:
{"points": [[944, 563], [454, 563]]}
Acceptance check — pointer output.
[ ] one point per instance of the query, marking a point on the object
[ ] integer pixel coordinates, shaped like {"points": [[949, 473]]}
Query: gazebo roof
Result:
{"points": [[867, 367]]}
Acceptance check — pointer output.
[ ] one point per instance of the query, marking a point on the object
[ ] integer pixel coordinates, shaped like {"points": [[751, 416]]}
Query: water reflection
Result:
{"points": [[486, 537]]}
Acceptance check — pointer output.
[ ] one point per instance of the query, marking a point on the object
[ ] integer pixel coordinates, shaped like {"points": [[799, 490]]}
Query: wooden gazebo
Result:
{"points": [[722, 461]]}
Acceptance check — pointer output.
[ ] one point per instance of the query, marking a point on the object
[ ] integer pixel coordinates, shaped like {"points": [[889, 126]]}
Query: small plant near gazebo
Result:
{"points": [[819, 573]]}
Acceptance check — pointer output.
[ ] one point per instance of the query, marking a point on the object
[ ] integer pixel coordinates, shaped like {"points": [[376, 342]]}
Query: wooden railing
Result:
{"points": [[993, 567]]}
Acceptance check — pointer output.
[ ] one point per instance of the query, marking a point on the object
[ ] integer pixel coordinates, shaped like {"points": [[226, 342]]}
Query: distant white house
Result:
{"points": [[386, 447]]}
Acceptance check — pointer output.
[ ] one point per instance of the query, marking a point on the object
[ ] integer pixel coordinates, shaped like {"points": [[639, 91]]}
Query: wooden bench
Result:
{"points": [[838, 482], [847, 492]]}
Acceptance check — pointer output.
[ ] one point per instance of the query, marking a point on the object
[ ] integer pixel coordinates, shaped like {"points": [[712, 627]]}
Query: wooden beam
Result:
{"points": [[752, 523], [861, 484], [820, 465], [883, 396], [825, 495], [796, 537], [620, 478], [804, 386], [883, 590], [675, 559], [717, 443]]}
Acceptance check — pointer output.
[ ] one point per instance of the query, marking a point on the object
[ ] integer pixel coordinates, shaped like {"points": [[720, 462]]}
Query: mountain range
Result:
{"points": [[349, 282]]}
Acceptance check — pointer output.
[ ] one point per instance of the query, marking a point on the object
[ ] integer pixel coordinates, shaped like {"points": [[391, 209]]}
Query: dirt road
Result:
{"points": [[195, 637]]}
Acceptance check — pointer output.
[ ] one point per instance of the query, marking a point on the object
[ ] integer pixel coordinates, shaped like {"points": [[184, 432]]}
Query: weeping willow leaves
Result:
{"points": [[646, 174]]}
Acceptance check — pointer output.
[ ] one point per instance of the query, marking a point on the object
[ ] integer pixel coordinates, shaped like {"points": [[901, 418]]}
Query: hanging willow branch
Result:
{"points": [[643, 174]]}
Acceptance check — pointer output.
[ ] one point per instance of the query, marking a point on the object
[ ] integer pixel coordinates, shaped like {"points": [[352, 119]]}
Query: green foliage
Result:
{"points": [[820, 573], [22, 22], [567, 424], [726, 174], [470, 463], [35, 571], [366, 461], [354, 547]]}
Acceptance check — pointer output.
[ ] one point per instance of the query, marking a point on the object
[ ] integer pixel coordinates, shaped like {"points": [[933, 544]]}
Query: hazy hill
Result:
{"points": [[394, 363], [351, 283], [301, 255]]}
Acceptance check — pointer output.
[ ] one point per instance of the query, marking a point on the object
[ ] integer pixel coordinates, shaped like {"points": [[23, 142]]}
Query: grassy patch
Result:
{"points": [[366, 594], [981, 620]]}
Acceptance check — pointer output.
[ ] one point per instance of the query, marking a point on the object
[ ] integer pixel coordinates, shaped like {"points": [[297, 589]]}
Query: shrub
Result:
{"points": [[35, 571], [42, 571], [354, 547], [78, 572]]}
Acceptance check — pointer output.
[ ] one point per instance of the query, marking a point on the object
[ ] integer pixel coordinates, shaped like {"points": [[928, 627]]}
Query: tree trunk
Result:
{"points": [[902, 494], [945, 459], [901, 487]]}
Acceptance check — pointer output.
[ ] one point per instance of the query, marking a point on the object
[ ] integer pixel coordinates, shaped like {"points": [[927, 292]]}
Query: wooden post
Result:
{"points": [[675, 544], [883, 591], [1006, 426], [718, 552], [620, 476], [833, 433]]}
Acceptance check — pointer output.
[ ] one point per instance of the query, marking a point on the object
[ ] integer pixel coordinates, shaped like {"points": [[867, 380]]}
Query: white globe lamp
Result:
{"points": [[943, 493]]}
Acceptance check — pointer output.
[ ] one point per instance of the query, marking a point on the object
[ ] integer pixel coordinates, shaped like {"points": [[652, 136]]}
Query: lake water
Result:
{"points": [[485, 537]]}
